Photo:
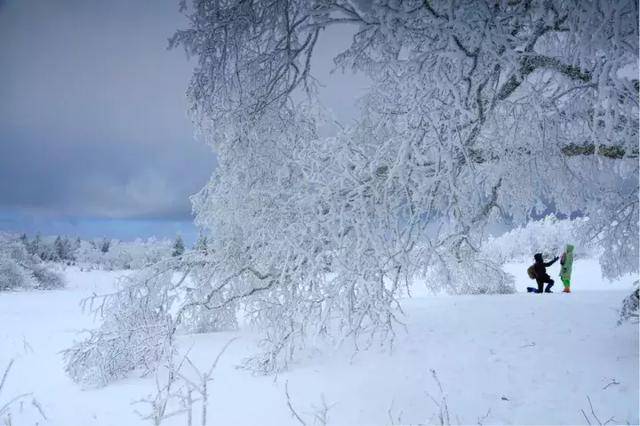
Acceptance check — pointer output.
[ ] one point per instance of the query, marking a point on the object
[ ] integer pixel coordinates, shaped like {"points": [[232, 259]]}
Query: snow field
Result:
{"points": [[510, 359]]}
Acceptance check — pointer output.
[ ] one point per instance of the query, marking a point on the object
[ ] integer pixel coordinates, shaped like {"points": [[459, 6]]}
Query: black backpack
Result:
{"points": [[531, 271]]}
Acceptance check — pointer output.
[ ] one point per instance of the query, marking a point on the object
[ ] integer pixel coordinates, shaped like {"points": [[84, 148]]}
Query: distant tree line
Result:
{"points": [[106, 253], [61, 249]]}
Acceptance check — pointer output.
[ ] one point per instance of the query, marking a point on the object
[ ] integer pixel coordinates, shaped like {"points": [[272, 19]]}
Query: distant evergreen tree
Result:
{"points": [[24, 240], [104, 246], [178, 247], [47, 251], [63, 249], [34, 246], [201, 244], [75, 247], [59, 249]]}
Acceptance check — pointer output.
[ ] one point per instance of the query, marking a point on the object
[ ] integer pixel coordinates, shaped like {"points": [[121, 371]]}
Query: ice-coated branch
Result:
{"points": [[531, 63]]}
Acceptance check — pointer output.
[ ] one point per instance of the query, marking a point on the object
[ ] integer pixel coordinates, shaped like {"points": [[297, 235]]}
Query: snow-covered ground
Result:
{"points": [[514, 359]]}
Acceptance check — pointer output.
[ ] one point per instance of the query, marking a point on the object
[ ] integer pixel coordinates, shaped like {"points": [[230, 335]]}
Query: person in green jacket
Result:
{"points": [[566, 263]]}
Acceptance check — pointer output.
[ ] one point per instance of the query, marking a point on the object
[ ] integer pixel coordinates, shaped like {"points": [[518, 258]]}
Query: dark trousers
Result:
{"points": [[544, 280]]}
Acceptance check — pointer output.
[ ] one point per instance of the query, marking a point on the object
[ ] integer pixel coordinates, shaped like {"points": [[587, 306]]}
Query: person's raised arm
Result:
{"points": [[552, 262]]}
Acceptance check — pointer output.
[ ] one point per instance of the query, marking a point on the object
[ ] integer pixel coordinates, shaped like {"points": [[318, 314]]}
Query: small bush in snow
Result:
{"points": [[470, 273], [122, 255], [13, 276], [21, 270], [46, 278], [630, 304]]}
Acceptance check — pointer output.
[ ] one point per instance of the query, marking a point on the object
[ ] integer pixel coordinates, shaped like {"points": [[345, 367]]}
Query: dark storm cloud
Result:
{"points": [[92, 113], [92, 110]]}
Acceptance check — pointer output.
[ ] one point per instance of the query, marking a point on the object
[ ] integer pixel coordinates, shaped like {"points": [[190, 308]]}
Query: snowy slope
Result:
{"points": [[522, 358]]}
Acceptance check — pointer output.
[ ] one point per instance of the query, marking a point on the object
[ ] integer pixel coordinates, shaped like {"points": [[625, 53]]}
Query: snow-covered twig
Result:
{"points": [[5, 374], [293, 411], [202, 386], [611, 383], [482, 419], [444, 418], [394, 419], [319, 415], [5, 408], [595, 416]]}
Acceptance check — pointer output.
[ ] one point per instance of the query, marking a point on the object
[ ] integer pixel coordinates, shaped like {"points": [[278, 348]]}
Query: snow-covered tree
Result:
{"points": [[47, 251], [59, 248], [105, 245], [178, 247], [478, 112], [34, 245], [64, 250], [201, 244]]}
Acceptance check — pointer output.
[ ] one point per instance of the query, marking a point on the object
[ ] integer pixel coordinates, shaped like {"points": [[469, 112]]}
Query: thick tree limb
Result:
{"points": [[614, 152], [531, 63]]}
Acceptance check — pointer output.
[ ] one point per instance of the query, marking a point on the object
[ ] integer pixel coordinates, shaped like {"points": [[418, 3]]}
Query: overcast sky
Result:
{"points": [[94, 138]]}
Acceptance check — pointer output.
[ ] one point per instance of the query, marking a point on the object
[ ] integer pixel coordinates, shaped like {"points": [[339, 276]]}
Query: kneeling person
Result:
{"points": [[542, 277]]}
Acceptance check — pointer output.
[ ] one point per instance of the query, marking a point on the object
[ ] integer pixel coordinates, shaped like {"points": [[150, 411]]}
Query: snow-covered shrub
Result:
{"points": [[471, 273], [46, 278], [630, 307], [122, 254], [21, 270], [14, 276], [617, 239], [548, 236], [483, 277]]}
